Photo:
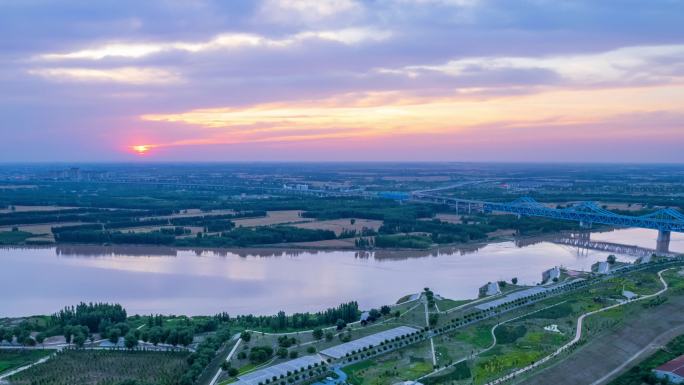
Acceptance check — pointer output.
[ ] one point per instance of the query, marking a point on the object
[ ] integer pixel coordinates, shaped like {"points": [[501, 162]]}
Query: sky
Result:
{"points": [[342, 80]]}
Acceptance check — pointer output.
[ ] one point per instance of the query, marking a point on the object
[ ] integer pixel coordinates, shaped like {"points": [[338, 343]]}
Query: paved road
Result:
{"points": [[599, 359]]}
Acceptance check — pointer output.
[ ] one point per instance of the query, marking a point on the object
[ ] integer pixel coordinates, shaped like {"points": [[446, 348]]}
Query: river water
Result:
{"points": [[263, 281]]}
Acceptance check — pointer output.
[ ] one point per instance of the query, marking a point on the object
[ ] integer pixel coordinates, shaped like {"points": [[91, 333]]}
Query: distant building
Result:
{"points": [[296, 187], [551, 274], [491, 288], [673, 370]]}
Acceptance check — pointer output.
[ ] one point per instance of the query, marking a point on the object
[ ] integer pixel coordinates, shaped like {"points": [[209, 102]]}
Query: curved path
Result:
{"points": [[578, 333], [490, 347]]}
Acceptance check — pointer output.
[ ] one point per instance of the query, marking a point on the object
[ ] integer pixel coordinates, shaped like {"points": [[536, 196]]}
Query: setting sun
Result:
{"points": [[141, 149]]}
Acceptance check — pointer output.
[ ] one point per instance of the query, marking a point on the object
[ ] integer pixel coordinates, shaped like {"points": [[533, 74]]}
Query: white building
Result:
{"points": [[603, 268], [551, 274], [491, 288]]}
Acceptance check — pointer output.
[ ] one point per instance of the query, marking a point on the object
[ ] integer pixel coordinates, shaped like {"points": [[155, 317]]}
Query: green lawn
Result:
{"points": [[446, 304], [13, 237], [12, 359]]}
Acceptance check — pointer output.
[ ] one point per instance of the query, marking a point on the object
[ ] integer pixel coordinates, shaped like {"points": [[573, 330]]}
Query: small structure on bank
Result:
{"points": [[551, 275], [630, 295], [491, 288], [601, 267]]}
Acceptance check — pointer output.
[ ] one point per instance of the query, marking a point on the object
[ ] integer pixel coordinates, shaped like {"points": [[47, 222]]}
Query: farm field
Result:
{"points": [[340, 225], [273, 218], [12, 359], [87, 367]]}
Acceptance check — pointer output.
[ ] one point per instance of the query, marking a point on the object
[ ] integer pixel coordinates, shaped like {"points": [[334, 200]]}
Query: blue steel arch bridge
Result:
{"points": [[586, 213]]}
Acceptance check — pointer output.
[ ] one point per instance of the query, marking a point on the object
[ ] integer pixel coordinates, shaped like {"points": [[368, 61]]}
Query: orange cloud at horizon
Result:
{"points": [[391, 114]]}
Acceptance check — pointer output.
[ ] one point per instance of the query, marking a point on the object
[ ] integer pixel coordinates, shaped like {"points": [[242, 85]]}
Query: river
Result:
{"points": [[263, 281]]}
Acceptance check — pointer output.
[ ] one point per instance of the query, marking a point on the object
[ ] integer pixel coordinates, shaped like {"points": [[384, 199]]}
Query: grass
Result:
{"points": [[460, 371], [479, 335], [492, 367], [87, 367], [12, 359], [446, 304], [13, 237], [408, 363]]}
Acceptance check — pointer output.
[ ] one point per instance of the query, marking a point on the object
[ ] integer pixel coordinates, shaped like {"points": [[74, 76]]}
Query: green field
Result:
{"points": [[12, 359], [13, 237]]}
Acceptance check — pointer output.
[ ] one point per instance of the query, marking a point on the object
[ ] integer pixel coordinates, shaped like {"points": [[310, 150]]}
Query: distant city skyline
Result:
{"points": [[342, 80]]}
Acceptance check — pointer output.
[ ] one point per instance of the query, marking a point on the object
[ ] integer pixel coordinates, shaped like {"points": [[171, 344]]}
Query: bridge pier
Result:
{"points": [[663, 243]]}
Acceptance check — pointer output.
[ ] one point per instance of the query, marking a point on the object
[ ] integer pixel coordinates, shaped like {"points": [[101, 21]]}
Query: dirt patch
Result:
{"points": [[450, 218], [196, 213], [330, 243], [17, 186], [339, 225], [622, 206], [40, 229], [22, 209], [501, 233], [273, 218]]}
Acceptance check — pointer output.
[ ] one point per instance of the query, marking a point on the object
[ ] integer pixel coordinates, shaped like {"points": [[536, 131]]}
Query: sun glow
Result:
{"points": [[141, 149]]}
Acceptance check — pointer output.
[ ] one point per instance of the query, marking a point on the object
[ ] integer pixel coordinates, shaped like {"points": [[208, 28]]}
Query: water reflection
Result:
{"points": [[263, 281]]}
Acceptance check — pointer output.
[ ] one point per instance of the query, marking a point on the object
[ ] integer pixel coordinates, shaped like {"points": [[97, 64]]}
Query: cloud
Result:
{"points": [[128, 75], [390, 115], [307, 11], [640, 64], [325, 71], [347, 36]]}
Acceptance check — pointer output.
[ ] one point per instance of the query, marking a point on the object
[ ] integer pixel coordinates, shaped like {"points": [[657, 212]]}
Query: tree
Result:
{"points": [[40, 337], [114, 334], [294, 354], [329, 336], [225, 366], [385, 310], [514, 280], [374, 314], [245, 336], [317, 333], [155, 334], [340, 324], [79, 338], [130, 340], [233, 372], [611, 259], [67, 334], [282, 353]]}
